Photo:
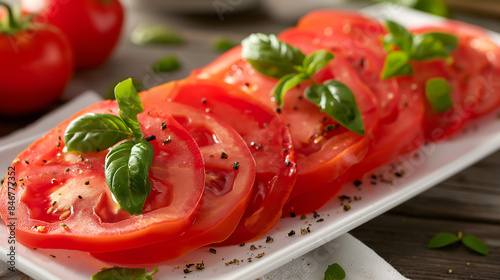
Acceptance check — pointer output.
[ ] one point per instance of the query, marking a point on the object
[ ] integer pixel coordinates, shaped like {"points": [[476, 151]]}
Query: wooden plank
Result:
{"points": [[402, 241]]}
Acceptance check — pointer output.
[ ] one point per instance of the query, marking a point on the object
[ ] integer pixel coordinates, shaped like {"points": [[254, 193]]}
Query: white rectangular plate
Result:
{"points": [[434, 163]]}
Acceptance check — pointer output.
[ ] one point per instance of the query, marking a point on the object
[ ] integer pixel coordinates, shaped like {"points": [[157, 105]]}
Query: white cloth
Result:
{"points": [[359, 261]]}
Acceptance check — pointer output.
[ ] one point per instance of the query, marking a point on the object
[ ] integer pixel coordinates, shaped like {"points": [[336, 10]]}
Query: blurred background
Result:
{"points": [[204, 29]]}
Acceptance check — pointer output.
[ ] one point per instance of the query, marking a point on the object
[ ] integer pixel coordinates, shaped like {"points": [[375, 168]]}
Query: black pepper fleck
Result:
{"points": [[357, 183], [27, 162], [291, 233], [223, 155], [87, 183], [212, 250], [269, 239], [163, 126], [150, 138], [236, 165]]}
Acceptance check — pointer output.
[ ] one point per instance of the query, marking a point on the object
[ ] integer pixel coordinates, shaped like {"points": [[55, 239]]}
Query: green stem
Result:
{"points": [[10, 21]]}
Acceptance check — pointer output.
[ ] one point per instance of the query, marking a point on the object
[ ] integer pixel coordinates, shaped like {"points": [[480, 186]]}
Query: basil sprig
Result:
{"points": [[127, 164], [402, 47], [279, 60]]}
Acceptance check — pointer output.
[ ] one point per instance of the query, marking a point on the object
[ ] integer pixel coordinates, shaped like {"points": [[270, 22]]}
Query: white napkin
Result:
{"points": [[359, 261]]}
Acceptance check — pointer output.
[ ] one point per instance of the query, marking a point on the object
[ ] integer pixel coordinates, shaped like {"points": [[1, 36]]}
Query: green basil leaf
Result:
{"points": [[437, 91], [286, 83], [442, 239], [334, 272], [271, 57], [95, 132], [399, 36], [396, 64], [223, 44], [166, 64], [316, 61], [337, 100], [435, 7], [155, 34], [475, 244], [127, 174], [129, 105], [124, 273], [433, 45]]}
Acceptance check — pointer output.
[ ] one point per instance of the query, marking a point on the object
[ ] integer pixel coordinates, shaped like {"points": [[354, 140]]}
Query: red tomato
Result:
{"points": [[93, 27], [55, 187], [36, 66], [476, 64], [227, 191], [323, 154], [403, 135], [269, 141], [358, 39]]}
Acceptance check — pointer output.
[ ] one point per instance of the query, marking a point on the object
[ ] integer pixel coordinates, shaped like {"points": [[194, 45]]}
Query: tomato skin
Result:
{"points": [[95, 222], [36, 67], [268, 138], [221, 208], [93, 27]]}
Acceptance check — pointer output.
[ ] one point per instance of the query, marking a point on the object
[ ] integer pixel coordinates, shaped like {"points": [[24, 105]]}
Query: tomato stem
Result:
{"points": [[9, 23]]}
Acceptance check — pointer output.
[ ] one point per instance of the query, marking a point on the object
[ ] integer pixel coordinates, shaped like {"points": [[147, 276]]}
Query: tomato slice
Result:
{"points": [[227, 191], [359, 40], [324, 150], [396, 138], [476, 64], [55, 187], [268, 138]]}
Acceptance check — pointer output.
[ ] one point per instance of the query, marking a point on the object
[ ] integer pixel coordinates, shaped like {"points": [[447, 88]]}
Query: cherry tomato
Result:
{"points": [[36, 66], [227, 191], [93, 27], [54, 187], [268, 138]]}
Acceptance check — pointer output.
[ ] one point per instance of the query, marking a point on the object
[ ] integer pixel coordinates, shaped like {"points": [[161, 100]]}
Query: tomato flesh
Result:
{"points": [[227, 191], [57, 187], [268, 138]]}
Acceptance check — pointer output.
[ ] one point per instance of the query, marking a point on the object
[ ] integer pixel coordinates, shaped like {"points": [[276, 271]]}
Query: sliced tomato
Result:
{"points": [[268, 138], [55, 187], [227, 191], [476, 64], [401, 136], [359, 40], [324, 150]]}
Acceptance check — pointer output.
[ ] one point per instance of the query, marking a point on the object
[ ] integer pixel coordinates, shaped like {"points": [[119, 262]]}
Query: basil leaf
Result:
{"points": [[442, 239], [166, 64], [129, 105], [316, 61], [271, 57], [95, 132], [475, 244], [437, 91], [433, 45], [127, 174], [396, 64], [124, 273], [155, 34], [338, 101], [398, 36], [334, 272], [286, 83]]}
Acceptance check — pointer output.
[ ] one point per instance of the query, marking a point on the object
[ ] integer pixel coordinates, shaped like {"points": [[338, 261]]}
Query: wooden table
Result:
{"points": [[468, 202]]}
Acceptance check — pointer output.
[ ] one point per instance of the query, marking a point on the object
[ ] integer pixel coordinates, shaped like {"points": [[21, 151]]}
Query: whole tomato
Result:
{"points": [[93, 27], [36, 64]]}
